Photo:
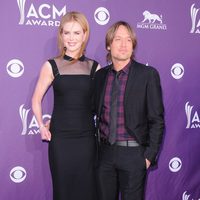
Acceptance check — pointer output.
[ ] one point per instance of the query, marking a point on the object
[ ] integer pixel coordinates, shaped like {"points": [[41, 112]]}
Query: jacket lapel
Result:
{"points": [[130, 81]]}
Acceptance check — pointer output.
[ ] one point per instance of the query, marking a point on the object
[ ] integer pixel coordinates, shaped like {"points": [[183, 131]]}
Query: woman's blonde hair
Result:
{"points": [[73, 17]]}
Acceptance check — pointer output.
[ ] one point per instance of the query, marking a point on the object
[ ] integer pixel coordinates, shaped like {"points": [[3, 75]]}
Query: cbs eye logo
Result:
{"points": [[175, 164], [177, 71], [15, 68], [101, 16], [18, 174]]}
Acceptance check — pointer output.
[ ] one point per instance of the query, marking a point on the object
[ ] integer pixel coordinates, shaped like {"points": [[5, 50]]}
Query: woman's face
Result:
{"points": [[73, 37]]}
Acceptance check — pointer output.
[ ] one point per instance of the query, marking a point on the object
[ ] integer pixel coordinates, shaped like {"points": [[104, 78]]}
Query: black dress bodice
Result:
{"points": [[72, 112]]}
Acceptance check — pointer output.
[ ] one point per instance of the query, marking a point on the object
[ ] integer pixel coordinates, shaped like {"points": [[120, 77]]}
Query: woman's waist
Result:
{"points": [[74, 122], [72, 110], [83, 117], [70, 133], [73, 105]]}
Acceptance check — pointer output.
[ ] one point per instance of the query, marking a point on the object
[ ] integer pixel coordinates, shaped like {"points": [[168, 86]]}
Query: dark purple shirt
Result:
{"points": [[121, 134]]}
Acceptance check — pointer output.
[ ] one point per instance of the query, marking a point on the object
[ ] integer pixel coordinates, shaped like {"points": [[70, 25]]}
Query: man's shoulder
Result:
{"points": [[144, 67], [103, 70]]}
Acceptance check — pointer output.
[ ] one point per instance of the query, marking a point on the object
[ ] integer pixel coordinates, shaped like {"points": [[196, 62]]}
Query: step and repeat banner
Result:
{"points": [[168, 34]]}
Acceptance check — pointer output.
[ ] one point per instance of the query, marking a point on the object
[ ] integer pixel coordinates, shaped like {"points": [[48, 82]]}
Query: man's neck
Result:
{"points": [[119, 65]]}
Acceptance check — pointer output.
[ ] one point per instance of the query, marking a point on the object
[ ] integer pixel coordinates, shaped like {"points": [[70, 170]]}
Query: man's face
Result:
{"points": [[122, 46]]}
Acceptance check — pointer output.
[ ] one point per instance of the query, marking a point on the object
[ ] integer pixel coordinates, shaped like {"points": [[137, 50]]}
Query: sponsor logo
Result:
{"points": [[186, 196], [177, 71], [175, 164], [152, 21], [30, 127], [40, 15], [15, 68], [18, 174], [194, 19], [193, 120], [101, 16]]}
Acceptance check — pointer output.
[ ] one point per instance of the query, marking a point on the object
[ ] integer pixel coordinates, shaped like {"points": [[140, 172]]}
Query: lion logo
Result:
{"points": [[151, 17]]}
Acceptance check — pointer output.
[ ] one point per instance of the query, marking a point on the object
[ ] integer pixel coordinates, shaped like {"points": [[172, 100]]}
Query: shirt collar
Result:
{"points": [[124, 69]]}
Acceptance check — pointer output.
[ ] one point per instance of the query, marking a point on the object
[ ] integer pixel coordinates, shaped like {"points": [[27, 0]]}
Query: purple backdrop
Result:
{"points": [[168, 34]]}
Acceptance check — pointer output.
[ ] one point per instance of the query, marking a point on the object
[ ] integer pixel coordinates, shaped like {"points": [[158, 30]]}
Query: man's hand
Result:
{"points": [[148, 163]]}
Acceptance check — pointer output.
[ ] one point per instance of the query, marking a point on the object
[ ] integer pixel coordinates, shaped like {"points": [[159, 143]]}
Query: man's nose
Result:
{"points": [[123, 43]]}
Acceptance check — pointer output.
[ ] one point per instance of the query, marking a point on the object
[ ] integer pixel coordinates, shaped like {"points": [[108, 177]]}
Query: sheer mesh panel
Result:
{"points": [[66, 67]]}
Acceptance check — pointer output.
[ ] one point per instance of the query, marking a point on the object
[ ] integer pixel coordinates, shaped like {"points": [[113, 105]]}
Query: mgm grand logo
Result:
{"points": [[152, 21]]}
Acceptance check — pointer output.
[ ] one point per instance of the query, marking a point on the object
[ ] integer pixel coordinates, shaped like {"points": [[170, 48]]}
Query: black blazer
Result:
{"points": [[143, 105]]}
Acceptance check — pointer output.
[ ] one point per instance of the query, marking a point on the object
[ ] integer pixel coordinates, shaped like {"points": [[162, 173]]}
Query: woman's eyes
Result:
{"points": [[75, 33]]}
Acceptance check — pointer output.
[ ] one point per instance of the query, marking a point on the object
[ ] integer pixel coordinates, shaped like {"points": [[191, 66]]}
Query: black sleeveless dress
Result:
{"points": [[72, 148]]}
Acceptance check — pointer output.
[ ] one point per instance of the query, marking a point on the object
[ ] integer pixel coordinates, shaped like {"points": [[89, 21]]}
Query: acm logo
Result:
{"points": [[195, 28], [193, 120], [186, 196], [42, 15], [30, 127]]}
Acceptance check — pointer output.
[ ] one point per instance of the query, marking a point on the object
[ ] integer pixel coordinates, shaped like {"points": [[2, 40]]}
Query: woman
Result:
{"points": [[71, 134]]}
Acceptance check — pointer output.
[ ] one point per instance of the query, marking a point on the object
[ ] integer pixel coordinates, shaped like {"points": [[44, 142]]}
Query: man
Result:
{"points": [[130, 118]]}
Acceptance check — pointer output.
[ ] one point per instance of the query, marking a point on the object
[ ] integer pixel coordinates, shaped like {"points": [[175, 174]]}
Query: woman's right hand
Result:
{"points": [[45, 133]]}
